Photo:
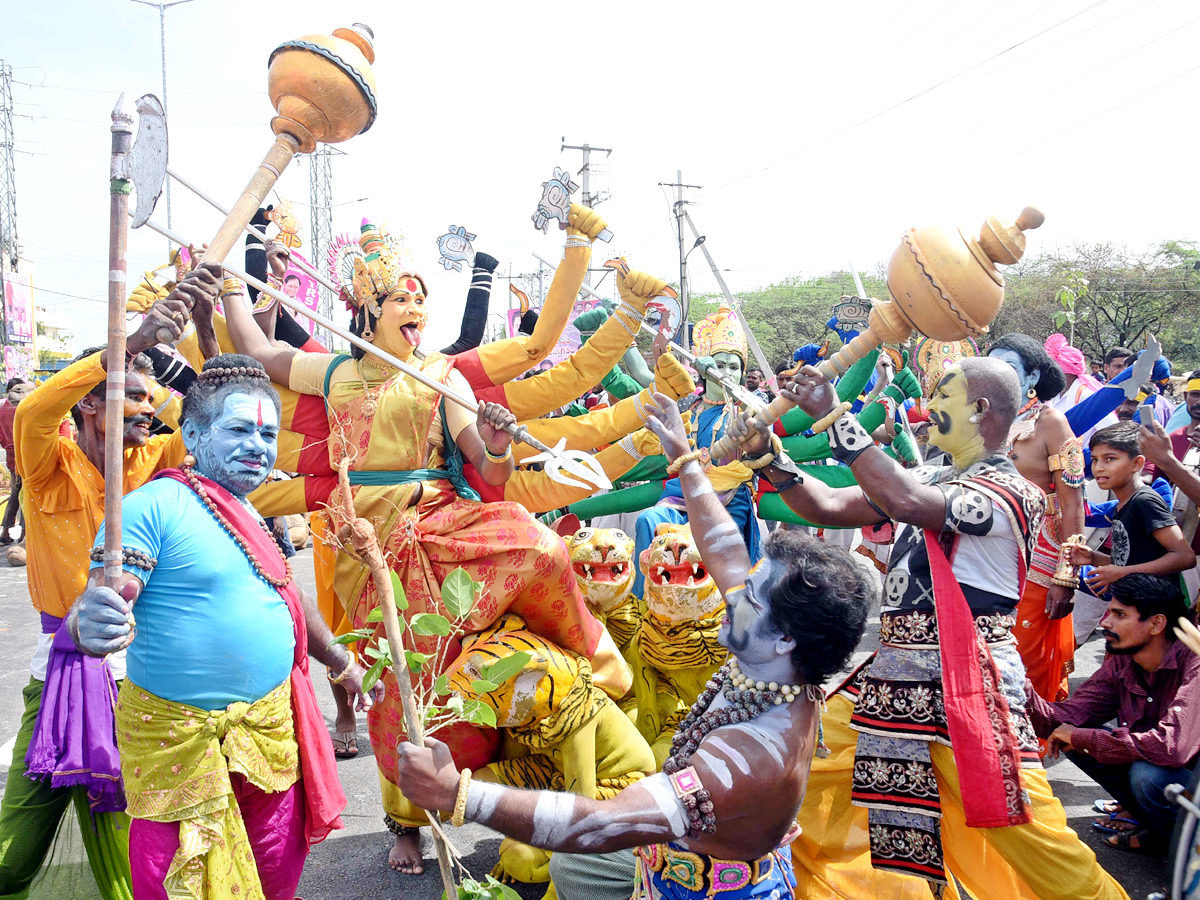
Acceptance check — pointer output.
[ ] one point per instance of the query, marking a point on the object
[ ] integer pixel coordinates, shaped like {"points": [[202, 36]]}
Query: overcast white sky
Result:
{"points": [[820, 131]]}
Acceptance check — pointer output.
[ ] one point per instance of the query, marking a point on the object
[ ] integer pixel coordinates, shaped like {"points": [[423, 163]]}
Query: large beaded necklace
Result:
{"points": [[748, 699], [202, 493]]}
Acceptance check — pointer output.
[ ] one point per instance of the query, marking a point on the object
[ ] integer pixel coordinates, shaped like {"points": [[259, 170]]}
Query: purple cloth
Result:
{"points": [[74, 740], [1157, 713]]}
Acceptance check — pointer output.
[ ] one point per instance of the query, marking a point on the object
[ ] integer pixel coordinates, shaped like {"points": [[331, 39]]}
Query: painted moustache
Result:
{"points": [[941, 420]]}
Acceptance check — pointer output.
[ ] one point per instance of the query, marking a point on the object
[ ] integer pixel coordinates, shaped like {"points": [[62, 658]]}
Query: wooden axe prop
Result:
{"points": [[133, 165]]}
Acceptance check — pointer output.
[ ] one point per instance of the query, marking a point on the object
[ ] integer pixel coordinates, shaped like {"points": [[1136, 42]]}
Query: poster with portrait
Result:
{"points": [[568, 342], [19, 362], [303, 287], [18, 308]]}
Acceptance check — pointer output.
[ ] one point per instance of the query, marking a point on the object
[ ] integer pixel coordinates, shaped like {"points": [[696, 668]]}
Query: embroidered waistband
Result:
{"points": [[700, 872], [917, 629]]}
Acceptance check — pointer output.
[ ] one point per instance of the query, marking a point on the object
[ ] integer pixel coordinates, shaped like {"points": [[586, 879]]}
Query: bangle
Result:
{"points": [[460, 801], [491, 457], [822, 424], [342, 675], [765, 458], [682, 460]]}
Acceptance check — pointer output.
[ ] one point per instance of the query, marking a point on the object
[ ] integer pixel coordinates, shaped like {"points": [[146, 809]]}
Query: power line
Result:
{"points": [[57, 87]]}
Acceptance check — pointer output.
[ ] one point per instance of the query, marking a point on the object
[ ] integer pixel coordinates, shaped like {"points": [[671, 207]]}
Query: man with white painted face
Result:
{"points": [[227, 767], [721, 814], [934, 767]]}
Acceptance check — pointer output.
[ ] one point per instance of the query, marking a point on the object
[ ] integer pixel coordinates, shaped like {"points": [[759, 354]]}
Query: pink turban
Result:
{"points": [[1069, 359]]}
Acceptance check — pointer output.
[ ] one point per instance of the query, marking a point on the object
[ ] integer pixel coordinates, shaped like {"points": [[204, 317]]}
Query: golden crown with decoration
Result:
{"points": [[720, 332], [372, 268]]}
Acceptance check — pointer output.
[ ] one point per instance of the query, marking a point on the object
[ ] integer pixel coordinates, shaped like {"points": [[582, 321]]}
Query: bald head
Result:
{"points": [[993, 380]]}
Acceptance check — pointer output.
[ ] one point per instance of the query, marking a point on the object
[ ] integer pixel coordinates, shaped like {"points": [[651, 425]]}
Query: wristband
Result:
{"points": [[460, 801], [848, 439], [681, 461], [505, 457]]}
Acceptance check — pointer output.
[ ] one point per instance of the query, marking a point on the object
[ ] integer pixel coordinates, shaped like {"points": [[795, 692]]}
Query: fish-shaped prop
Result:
{"points": [[556, 203], [455, 248]]}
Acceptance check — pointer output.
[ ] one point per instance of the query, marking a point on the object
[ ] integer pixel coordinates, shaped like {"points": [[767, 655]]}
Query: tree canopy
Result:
{"points": [[1115, 296]]}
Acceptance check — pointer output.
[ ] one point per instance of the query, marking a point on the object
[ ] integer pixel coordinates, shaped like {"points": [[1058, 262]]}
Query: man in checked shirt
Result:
{"points": [[1150, 683]]}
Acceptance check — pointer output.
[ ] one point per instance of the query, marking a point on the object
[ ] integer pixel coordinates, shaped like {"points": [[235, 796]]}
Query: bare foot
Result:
{"points": [[405, 855]]}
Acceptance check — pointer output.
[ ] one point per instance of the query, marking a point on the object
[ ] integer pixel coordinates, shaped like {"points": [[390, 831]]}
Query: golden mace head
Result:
{"points": [[944, 280], [322, 86]]}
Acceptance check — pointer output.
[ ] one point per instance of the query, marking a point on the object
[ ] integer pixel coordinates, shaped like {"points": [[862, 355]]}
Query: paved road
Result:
{"points": [[353, 864]]}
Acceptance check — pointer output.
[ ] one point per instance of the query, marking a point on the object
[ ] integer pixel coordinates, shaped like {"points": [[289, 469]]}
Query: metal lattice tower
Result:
{"points": [[320, 196], [9, 250]]}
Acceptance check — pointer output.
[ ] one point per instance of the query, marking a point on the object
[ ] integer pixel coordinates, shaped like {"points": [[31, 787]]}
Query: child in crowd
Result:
{"points": [[1145, 537]]}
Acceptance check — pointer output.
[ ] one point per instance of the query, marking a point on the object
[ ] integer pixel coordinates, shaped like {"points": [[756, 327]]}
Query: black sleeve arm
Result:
{"points": [[474, 317]]}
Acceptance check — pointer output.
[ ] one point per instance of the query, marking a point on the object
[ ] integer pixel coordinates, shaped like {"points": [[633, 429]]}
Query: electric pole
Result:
{"points": [[162, 39], [9, 251], [589, 199], [320, 199], [680, 205]]}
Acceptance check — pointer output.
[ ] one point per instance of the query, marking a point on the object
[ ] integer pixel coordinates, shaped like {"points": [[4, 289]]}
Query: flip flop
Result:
{"points": [[345, 744], [1106, 806], [1105, 829]]}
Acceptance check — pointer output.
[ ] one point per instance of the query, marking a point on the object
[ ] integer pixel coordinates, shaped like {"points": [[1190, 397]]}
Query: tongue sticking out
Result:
{"points": [[411, 334]]}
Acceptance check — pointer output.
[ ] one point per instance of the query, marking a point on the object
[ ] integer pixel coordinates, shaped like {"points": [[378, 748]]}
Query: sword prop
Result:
{"points": [[560, 463], [735, 390]]}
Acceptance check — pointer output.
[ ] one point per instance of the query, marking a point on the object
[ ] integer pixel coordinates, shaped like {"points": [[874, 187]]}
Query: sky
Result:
{"points": [[818, 132]]}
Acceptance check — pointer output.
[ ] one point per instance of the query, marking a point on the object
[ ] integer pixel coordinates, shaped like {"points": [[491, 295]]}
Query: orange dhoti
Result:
{"points": [[1047, 646]]}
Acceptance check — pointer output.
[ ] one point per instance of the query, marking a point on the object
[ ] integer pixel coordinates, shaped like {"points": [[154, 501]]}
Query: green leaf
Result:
{"points": [[416, 660], [503, 669], [458, 593], [502, 891], [428, 624], [372, 675], [398, 592], [350, 637], [441, 686], [479, 686], [375, 615], [455, 704], [479, 713]]}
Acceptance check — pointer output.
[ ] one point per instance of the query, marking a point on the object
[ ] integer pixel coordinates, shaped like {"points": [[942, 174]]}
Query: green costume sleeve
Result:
{"points": [[619, 384], [630, 499], [849, 386], [771, 506], [652, 468]]}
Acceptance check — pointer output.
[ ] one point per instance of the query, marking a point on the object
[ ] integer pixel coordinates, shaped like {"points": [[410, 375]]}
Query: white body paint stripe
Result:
{"points": [[659, 787], [482, 798], [717, 767], [734, 757], [769, 740], [552, 817]]}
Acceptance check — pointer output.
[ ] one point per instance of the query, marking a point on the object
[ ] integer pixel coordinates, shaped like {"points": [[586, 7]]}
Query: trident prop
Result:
{"points": [[559, 463], [735, 390]]}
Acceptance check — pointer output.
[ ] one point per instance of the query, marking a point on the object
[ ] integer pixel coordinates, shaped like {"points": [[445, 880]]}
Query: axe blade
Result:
{"points": [[148, 158]]}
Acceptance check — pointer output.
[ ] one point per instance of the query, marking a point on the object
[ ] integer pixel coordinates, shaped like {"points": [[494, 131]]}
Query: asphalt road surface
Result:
{"points": [[353, 863]]}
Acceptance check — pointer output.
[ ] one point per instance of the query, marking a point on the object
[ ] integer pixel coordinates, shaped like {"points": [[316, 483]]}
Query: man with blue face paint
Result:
{"points": [[227, 767]]}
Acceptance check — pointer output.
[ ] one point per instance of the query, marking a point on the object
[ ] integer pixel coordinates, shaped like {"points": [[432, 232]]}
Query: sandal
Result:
{"points": [[1145, 840], [1108, 807], [345, 744], [1110, 824]]}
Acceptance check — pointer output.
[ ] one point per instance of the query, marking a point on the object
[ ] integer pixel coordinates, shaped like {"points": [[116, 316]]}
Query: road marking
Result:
{"points": [[6, 752]]}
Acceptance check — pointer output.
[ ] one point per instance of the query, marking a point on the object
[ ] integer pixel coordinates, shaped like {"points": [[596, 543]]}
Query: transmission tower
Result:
{"points": [[320, 196], [9, 250]]}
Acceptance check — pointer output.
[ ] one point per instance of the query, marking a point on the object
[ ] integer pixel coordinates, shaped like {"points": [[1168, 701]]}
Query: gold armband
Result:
{"points": [[700, 455], [1069, 461]]}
